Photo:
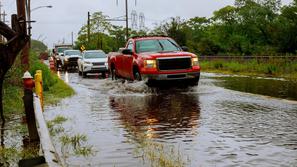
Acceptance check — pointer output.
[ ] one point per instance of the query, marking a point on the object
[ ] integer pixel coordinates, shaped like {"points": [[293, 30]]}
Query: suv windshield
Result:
{"points": [[92, 55], [72, 52], [156, 45]]}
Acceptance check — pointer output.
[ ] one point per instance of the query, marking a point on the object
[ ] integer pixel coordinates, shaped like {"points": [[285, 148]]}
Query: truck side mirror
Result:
{"points": [[127, 52], [184, 48]]}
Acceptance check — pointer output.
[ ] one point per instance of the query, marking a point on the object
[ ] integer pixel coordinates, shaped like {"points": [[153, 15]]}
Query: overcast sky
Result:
{"points": [[56, 24]]}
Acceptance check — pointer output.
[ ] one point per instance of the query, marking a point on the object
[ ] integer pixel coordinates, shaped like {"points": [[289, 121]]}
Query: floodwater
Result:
{"points": [[206, 125]]}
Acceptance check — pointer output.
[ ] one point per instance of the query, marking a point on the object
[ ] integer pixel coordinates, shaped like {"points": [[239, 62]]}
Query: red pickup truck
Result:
{"points": [[153, 59]]}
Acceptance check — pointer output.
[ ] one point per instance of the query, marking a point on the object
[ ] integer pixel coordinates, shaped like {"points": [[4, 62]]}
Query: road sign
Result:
{"points": [[82, 48]]}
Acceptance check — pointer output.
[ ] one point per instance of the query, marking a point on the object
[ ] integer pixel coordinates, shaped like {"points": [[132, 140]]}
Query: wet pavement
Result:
{"points": [[206, 125]]}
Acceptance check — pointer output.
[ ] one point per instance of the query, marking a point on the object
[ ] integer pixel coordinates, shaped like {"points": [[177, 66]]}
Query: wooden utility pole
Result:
{"points": [[1, 37], [89, 28], [21, 10], [28, 7]]}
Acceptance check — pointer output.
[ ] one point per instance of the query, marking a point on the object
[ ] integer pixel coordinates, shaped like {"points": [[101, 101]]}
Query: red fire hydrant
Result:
{"points": [[28, 81], [29, 107]]}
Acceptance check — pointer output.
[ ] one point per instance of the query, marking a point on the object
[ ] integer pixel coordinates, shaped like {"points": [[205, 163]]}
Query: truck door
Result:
{"points": [[128, 62]]}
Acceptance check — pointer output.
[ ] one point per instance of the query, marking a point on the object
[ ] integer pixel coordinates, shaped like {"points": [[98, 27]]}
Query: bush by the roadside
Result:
{"points": [[273, 67], [48, 78]]}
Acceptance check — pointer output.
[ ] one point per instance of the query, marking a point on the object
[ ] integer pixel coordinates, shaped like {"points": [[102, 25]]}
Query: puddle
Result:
{"points": [[129, 124]]}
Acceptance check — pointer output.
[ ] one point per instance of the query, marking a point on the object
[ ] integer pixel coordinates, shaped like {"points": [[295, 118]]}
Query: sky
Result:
{"points": [[56, 24]]}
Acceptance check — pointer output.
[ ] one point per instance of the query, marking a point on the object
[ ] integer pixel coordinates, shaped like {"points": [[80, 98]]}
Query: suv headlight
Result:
{"points": [[86, 62], [150, 64], [195, 61]]}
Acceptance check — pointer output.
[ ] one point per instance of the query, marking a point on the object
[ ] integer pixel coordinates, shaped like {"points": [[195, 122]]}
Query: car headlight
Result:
{"points": [[195, 61], [86, 62], [150, 64], [66, 59]]}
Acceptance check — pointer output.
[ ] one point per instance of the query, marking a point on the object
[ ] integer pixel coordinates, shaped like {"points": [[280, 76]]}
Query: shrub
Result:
{"points": [[48, 79]]}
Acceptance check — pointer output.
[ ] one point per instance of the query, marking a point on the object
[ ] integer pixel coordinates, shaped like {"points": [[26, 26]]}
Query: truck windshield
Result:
{"points": [[72, 52], [62, 49], [156, 45], [92, 55]]}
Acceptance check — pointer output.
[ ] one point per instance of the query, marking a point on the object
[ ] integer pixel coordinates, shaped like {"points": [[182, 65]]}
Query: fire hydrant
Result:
{"points": [[29, 107], [28, 81]]}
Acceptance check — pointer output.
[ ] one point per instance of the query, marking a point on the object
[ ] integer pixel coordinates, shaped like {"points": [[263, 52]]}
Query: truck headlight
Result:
{"points": [[195, 61], [150, 64]]}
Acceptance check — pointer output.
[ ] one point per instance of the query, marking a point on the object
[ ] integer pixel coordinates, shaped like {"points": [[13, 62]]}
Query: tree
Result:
{"points": [[17, 39], [286, 39], [173, 28]]}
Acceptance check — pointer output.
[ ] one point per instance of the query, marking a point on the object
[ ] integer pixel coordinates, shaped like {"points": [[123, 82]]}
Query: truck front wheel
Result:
{"points": [[113, 73], [137, 75]]}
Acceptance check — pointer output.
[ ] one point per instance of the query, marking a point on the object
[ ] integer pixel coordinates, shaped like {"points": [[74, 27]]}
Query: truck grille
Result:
{"points": [[73, 59], [174, 63]]}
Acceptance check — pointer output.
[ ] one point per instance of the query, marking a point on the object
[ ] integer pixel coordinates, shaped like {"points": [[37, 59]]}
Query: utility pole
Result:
{"points": [[89, 28], [72, 38], [1, 37], [21, 10], [127, 31], [28, 7], [4, 21]]}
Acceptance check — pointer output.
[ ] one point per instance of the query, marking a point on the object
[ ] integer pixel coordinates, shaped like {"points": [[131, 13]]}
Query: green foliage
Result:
{"points": [[49, 79], [38, 46], [272, 67], [249, 27]]}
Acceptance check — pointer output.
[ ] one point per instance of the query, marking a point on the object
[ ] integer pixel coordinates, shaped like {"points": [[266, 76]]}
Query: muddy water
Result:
{"points": [[206, 125]]}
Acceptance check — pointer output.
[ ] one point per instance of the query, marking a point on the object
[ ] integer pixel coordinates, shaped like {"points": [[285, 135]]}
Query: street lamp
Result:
{"points": [[48, 6], [29, 17]]}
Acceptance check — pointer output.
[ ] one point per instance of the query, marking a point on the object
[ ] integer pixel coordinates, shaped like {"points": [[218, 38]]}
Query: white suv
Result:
{"points": [[92, 61]]}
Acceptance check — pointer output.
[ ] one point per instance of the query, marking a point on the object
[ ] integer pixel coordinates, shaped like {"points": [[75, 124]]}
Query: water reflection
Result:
{"points": [[66, 77], [269, 87], [162, 116]]}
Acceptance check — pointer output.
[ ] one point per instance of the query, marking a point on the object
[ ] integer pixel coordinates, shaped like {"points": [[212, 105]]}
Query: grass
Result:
{"points": [[157, 154], [271, 68], [54, 88], [160, 155], [70, 144]]}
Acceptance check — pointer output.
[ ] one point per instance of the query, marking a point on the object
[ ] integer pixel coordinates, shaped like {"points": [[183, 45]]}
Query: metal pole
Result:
{"points": [[72, 38], [89, 28], [127, 31]]}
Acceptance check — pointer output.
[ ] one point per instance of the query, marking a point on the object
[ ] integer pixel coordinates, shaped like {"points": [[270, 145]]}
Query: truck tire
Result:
{"points": [[137, 75], [194, 81], [84, 74], [79, 73], [113, 73]]}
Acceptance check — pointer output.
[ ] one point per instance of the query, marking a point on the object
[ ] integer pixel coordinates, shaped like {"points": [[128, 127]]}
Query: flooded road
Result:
{"points": [[129, 124]]}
